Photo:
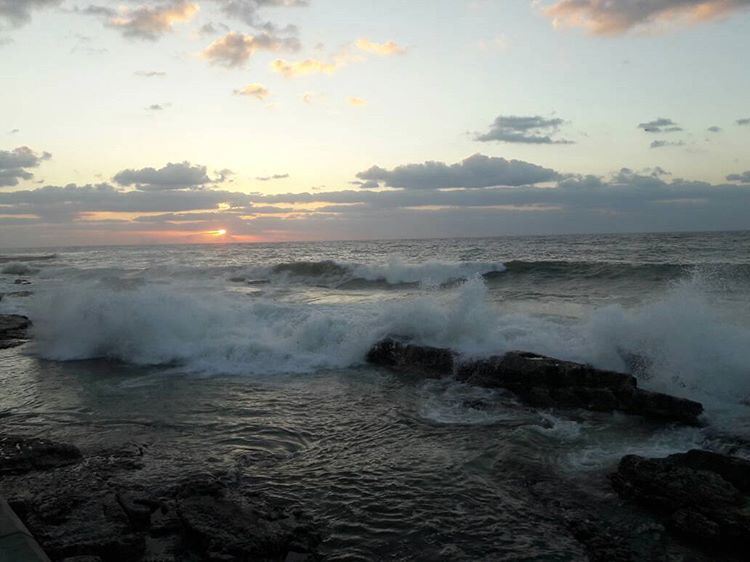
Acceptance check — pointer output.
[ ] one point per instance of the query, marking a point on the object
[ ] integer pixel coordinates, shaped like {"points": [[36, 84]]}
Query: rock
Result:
{"points": [[430, 361], [99, 509], [13, 328], [20, 454], [538, 380], [22, 282], [701, 495]]}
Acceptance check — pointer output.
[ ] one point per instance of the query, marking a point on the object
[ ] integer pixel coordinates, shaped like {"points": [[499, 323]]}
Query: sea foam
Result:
{"points": [[679, 342]]}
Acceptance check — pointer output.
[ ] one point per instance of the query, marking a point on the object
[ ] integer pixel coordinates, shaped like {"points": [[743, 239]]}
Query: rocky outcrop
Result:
{"points": [[13, 328], [97, 509], [538, 380], [703, 496]]}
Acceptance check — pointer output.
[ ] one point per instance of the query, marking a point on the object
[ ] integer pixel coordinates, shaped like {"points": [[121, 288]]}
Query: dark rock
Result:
{"points": [[99, 509], [138, 510], [13, 328], [538, 380], [20, 454], [429, 361], [22, 282], [20, 294], [701, 495]]}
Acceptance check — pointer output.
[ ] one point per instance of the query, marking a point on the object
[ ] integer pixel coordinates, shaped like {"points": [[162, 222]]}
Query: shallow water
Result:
{"points": [[214, 358]]}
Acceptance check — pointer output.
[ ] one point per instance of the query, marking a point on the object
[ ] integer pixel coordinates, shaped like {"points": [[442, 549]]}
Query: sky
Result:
{"points": [[194, 121]]}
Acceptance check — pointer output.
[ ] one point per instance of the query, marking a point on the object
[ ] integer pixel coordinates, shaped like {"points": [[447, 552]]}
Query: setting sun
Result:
{"points": [[220, 232]]}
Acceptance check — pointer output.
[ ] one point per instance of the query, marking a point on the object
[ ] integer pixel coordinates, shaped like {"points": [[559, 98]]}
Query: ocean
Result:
{"points": [[249, 359]]}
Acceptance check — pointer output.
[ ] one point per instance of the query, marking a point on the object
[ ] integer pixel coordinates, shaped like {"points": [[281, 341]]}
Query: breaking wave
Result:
{"points": [[680, 342]]}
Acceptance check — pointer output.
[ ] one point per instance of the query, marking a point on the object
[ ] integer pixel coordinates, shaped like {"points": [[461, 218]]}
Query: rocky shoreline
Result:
{"points": [[92, 506], [87, 508]]}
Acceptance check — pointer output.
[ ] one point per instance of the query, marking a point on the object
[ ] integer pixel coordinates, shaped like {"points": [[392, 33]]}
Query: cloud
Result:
{"points": [[383, 49], [626, 201], [300, 68], [291, 69], [273, 177], [146, 22], [247, 11], [745, 121], [15, 164], [714, 129], [744, 177], [172, 176], [257, 91], [523, 129], [157, 106], [14, 131], [477, 171], [613, 17], [18, 12], [150, 73], [234, 49], [356, 102], [662, 144], [660, 125]]}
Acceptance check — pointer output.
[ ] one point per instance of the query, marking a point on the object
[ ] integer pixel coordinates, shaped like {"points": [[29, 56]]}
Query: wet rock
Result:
{"points": [[13, 330], [22, 282], [538, 380], [231, 530], [703, 496], [20, 454], [99, 509], [429, 361], [19, 294]]}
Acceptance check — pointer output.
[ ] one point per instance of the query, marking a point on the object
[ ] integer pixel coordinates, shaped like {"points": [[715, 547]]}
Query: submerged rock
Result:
{"points": [[13, 328], [20, 454], [702, 495], [538, 380]]}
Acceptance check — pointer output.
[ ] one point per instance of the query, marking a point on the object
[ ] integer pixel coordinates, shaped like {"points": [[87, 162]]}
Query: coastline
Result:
{"points": [[95, 504]]}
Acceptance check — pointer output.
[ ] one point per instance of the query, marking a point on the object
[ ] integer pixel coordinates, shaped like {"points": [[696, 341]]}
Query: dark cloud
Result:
{"points": [[628, 201], [18, 12], [15, 164], [234, 49], [172, 176], [247, 11], [212, 28], [714, 129], [660, 125], [273, 177], [147, 22], [524, 129], [477, 171], [744, 177], [612, 17], [745, 121], [663, 144]]}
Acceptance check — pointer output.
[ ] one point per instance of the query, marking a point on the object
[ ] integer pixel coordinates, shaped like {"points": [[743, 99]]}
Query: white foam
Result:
{"points": [[689, 345]]}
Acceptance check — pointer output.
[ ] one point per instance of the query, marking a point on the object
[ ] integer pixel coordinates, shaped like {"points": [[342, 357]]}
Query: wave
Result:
{"points": [[395, 273], [18, 268], [400, 274], [26, 258], [680, 342]]}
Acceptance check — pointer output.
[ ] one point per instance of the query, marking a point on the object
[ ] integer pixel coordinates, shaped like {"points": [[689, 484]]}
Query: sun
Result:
{"points": [[220, 232]]}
